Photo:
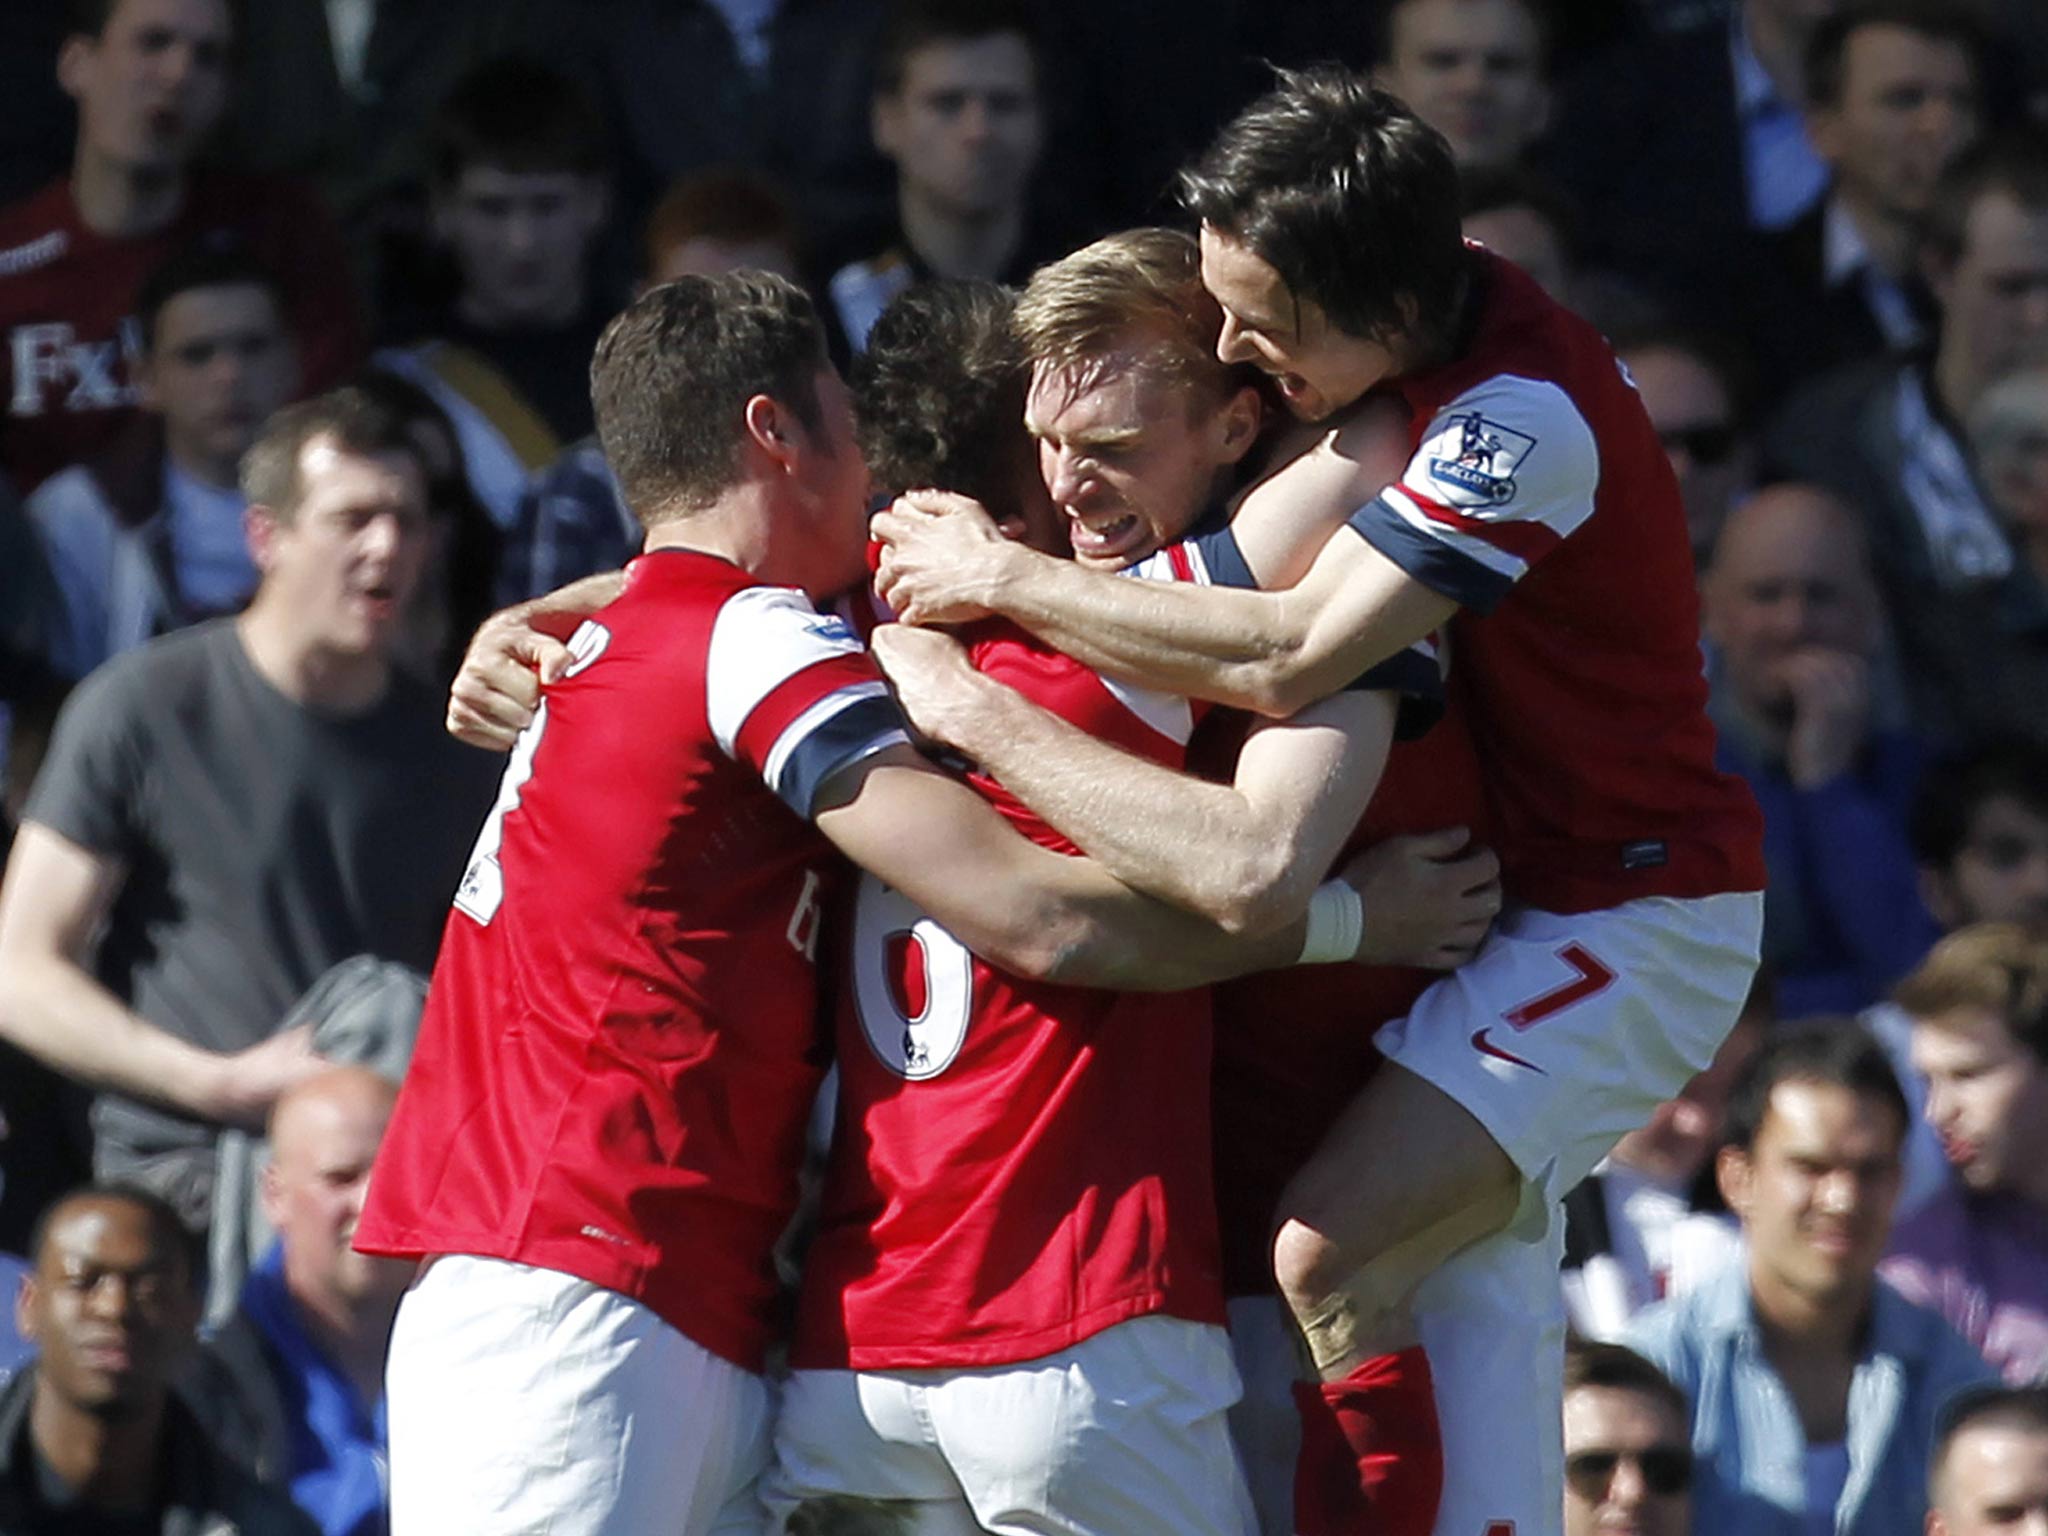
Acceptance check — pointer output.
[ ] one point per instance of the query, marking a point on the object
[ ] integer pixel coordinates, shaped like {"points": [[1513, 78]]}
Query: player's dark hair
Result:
{"points": [[170, 1229], [1837, 1053], [1995, 968], [914, 24], [1955, 790], [353, 419], [1382, 37], [1991, 1406], [1490, 188], [518, 115], [938, 394], [1349, 196], [733, 207], [1827, 48], [2013, 163], [206, 263], [1619, 1368], [673, 373]]}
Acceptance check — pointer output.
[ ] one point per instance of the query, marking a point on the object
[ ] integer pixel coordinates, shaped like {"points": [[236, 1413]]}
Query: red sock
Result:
{"points": [[1372, 1463]]}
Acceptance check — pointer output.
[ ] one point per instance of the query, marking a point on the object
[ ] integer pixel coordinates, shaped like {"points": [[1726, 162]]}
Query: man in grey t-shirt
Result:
{"points": [[230, 810]]}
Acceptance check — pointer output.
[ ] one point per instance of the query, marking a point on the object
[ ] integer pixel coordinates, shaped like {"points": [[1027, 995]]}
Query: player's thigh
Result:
{"points": [[1265, 1423], [1564, 1032], [521, 1400], [1124, 1434], [854, 1452], [1492, 1321]]}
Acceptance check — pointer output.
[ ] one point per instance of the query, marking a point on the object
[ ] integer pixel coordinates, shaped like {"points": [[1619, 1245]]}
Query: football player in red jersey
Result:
{"points": [[596, 1145], [1538, 521]]}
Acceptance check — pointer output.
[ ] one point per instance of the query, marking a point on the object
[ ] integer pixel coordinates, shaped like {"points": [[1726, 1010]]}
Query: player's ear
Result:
{"points": [[770, 429], [1239, 422]]}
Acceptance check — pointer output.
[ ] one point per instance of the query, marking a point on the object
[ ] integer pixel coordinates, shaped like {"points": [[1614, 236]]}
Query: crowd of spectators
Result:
{"points": [[1816, 231]]}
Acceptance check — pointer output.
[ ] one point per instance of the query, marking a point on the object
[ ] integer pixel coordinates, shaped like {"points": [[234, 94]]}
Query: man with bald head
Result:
{"points": [[91, 1437], [1795, 626], [302, 1362]]}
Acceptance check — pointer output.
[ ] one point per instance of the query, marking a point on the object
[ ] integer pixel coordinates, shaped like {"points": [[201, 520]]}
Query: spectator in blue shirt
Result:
{"points": [[1815, 1388]]}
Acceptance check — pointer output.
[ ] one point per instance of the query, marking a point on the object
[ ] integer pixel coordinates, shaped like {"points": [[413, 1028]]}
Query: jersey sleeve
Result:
{"points": [[792, 696], [1505, 474]]}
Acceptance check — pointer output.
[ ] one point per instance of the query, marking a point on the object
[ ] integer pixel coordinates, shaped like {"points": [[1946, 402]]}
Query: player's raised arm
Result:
{"points": [[513, 653]]}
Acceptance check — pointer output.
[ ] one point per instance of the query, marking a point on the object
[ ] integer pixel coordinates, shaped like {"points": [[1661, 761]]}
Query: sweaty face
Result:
{"points": [[1987, 1097], [1908, 107], [1130, 455], [521, 240], [2000, 874], [1623, 1453], [964, 129], [151, 87], [1816, 1191], [1993, 1482], [1472, 70], [111, 1306], [1319, 368], [220, 364], [1994, 299], [347, 559]]}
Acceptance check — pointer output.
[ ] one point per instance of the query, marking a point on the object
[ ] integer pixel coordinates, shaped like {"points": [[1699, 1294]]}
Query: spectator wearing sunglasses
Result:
{"points": [[1814, 1387], [1799, 700], [1627, 1460], [1693, 400]]}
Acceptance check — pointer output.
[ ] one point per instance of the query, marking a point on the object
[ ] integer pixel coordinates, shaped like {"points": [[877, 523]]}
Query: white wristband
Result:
{"points": [[1336, 921]]}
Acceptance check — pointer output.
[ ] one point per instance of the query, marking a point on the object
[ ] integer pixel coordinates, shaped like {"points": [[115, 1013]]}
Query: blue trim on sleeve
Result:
{"points": [[1224, 560], [1430, 561], [860, 730], [1419, 682]]}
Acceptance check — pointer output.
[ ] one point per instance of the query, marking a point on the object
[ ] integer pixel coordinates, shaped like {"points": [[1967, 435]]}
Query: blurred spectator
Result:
{"points": [[519, 200], [147, 536], [1792, 615], [1474, 70], [1978, 1253], [1627, 1240], [957, 111], [1814, 1386], [572, 521], [231, 810], [1980, 834], [1690, 392], [1894, 92], [1516, 214], [92, 1439], [1990, 1475], [1627, 1465], [1971, 621], [1678, 145], [149, 80], [297, 1375], [458, 582], [2009, 437]]}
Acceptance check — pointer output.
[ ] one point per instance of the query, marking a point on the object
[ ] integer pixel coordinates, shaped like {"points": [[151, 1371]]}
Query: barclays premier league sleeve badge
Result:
{"points": [[1475, 460]]}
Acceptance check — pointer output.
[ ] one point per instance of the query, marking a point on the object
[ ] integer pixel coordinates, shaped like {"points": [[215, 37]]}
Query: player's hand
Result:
{"points": [[934, 681], [498, 689], [1830, 693], [250, 1081], [1429, 900], [943, 558]]}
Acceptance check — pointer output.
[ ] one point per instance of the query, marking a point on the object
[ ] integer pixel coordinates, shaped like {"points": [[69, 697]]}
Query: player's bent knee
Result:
{"points": [[1306, 1265]]}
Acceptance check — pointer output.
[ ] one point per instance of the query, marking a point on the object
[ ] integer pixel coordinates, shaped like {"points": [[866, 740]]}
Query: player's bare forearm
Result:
{"points": [[1022, 907]]}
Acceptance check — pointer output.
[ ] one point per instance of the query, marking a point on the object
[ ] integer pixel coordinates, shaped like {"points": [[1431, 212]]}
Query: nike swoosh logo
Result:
{"points": [[1481, 1043]]}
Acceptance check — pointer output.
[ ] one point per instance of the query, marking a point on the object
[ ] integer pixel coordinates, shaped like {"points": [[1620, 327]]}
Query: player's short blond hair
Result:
{"points": [[1143, 282]]}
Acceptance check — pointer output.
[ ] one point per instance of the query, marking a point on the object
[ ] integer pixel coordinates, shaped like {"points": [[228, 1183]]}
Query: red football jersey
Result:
{"points": [[1017, 1165], [1294, 1047], [67, 307], [1540, 499], [622, 1044]]}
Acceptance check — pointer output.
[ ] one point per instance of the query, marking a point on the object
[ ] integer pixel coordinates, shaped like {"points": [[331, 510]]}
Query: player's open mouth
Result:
{"points": [[1104, 539]]}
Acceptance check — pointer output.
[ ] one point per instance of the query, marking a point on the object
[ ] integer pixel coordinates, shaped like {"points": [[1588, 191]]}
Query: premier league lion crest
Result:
{"points": [[1477, 459]]}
